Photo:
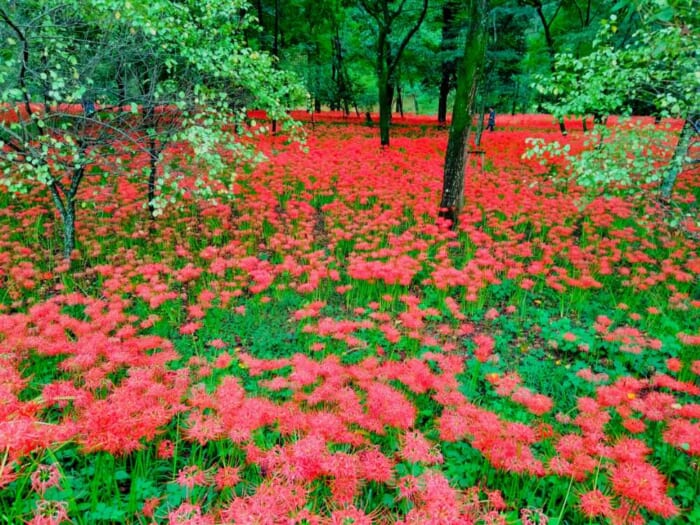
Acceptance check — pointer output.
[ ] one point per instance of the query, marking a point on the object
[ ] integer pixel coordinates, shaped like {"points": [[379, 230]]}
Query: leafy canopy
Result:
{"points": [[139, 72], [657, 69]]}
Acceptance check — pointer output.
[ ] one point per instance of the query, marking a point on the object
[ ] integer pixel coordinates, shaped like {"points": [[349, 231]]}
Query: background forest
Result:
{"points": [[332, 46]]}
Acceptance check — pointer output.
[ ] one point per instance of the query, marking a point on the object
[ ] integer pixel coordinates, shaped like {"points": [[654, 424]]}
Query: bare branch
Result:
{"points": [[25, 58], [394, 62]]}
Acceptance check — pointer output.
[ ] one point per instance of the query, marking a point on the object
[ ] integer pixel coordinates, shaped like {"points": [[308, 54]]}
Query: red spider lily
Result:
{"points": [[353, 233]]}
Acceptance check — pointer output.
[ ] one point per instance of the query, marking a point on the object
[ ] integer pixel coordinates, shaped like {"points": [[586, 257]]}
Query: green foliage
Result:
{"points": [[612, 159], [657, 68], [655, 71], [78, 77]]}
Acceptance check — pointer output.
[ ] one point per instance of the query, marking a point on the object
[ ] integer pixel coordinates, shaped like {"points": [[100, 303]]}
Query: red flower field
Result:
{"points": [[324, 349]]}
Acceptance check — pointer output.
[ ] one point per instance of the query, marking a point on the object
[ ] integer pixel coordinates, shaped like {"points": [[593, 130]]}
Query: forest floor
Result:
{"points": [[324, 349]]}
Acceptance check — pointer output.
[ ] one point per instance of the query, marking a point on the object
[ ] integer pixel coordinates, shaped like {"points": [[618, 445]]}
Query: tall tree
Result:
{"points": [[113, 74], [656, 68], [469, 72], [504, 88], [386, 14], [547, 22], [448, 46], [342, 95]]}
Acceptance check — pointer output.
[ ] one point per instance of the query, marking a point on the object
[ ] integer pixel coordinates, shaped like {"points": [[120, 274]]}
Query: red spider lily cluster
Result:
{"points": [[399, 325]]}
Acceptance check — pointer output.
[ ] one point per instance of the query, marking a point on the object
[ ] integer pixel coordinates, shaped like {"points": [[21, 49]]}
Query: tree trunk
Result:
{"points": [[547, 26], [68, 218], [384, 108], [390, 96], [480, 120], [276, 37], [562, 126], [679, 156], [468, 74], [313, 64], [343, 96], [399, 100], [258, 5], [442, 100], [388, 61], [153, 167], [121, 83], [276, 48], [65, 204], [448, 65]]}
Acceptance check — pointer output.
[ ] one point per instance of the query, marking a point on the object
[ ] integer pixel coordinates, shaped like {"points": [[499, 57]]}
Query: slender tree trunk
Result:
{"points": [[679, 157], [562, 126], [480, 121], [588, 14], [547, 32], [121, 84], [68, 218], [276, 48], [339, 74], [334, 75], [388, 61], [121, 87], [313, 64], [276, 38], [390, 95], [547, 26], [64, 199], [258, 5], [153, 168], [384, 108], [383, 87], [399, 100], [442, 100], [447, 44], [469, 71]]}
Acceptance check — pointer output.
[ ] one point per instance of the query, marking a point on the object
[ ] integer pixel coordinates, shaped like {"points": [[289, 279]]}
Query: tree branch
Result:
{"points": [[551, 20], [25, 58], [398, 11], [580, 12], [394, 62], [374, 13], [588, 13]]}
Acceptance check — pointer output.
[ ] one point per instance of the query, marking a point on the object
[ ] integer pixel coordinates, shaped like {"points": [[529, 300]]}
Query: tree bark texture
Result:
{"points": [[690, 129], [153, 154], [469, 71]]}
